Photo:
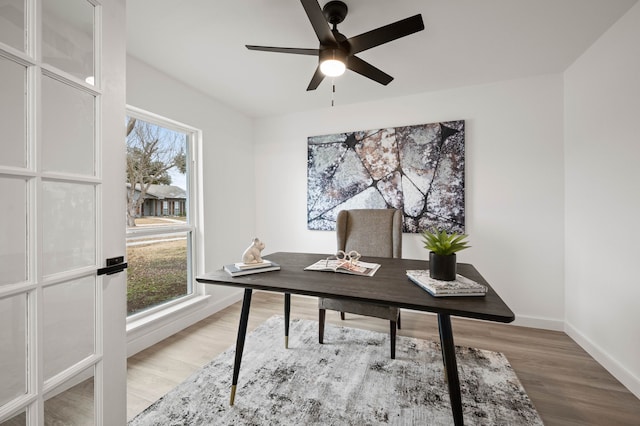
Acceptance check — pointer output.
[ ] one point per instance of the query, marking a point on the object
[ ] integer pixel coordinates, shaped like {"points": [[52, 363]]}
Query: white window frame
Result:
{"points": [[195, 246]]}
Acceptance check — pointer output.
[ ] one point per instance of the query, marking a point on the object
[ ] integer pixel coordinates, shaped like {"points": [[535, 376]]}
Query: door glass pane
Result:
{"points": [[13, 231], [13, 350], [73, 406], [12, 23], [67, 36], [68, 333], [68, 226], [18, 420], [67, 128], [12, 112]]}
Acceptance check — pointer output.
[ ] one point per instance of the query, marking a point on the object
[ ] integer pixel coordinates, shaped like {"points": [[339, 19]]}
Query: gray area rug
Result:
{"points": [[350, 380]]}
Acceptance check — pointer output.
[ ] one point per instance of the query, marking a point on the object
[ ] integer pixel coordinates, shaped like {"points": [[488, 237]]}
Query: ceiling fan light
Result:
{"points": [[332, 67], [333, 62]]}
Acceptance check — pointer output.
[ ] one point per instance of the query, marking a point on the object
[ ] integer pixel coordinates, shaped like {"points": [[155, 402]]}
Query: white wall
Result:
{"points": [[227, 168], [514, 182], [602, 150]]}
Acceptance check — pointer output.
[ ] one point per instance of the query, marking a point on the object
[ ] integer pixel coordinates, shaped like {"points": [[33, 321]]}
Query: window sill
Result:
{"points": [[146, 321]]}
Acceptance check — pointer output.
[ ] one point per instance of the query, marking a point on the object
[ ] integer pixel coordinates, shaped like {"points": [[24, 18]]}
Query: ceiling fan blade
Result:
{"points": [[293, 50], [367, 70], [318, 22], [317, 78], [386, 34]]}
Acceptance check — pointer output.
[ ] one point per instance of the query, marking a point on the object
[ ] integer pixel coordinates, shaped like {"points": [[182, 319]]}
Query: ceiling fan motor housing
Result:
{"points": [[335, 12]]}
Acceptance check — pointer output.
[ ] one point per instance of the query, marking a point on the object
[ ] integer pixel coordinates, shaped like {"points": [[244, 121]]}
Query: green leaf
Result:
{"points": [[444, 244]]}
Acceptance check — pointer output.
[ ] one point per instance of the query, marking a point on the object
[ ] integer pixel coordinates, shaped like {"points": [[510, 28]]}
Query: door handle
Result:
{"points": [[114, 265]]}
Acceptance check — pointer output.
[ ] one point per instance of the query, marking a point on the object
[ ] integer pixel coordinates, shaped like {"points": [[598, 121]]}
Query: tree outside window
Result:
{"points": [[152, 152]]}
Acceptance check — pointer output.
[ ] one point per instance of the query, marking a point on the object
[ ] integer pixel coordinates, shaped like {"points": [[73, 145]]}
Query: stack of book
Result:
{"points": [[238, 269], [461, 286]]}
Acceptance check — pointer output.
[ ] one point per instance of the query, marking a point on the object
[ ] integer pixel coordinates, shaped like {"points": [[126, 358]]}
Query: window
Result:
{"points": [[160, 211]]}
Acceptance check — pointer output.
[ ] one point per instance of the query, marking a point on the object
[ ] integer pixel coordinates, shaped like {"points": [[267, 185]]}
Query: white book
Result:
{"points": [[263, 264], [461, 286]]}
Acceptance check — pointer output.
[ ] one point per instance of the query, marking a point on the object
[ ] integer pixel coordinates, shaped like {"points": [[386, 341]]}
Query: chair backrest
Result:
{"points": [[371, 232]]}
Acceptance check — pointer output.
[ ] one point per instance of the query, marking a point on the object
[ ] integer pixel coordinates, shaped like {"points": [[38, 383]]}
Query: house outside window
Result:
{"points": [[161, 222]]}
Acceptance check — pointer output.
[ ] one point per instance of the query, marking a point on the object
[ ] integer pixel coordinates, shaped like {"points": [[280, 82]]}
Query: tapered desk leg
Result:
{"points": [[287, 310], [451, 367], [242, 332], [322, 313]]}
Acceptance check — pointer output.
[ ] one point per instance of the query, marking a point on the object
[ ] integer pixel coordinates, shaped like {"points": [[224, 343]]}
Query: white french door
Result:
{"points": [[62, 108]]}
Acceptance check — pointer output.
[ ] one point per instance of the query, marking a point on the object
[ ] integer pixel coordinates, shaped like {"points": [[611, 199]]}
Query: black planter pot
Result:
{"points": [[442, 267]]}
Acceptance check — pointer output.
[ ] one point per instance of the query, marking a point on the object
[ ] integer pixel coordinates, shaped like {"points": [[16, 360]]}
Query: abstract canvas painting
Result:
{"points": [[418, 169]]}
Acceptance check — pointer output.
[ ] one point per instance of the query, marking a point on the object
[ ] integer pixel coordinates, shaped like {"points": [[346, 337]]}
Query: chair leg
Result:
{"points": [[342, 316], [399, 326], [392, 329], [321, 315]]}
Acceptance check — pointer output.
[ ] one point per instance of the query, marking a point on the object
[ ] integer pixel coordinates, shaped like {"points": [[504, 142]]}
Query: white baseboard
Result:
{"points": [[627, 378], [148, 333], [537, 322], [522, 321]]}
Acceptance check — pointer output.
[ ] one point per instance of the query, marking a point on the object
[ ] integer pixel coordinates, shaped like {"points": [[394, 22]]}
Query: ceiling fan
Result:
{"points": [[336, 52]]}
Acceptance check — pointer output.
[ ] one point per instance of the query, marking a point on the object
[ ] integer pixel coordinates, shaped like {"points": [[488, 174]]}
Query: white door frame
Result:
{"points": [[113, 368]]}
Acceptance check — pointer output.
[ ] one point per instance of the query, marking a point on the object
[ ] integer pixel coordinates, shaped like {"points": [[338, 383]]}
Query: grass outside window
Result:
{"points": [[157, 269]]}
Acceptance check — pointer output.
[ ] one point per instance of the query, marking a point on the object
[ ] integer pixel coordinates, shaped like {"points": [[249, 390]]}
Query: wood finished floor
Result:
{"points": [[566, 385]]}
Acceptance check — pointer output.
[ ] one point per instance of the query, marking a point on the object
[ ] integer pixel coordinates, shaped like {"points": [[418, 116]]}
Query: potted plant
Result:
{"points": [[442, 253]]}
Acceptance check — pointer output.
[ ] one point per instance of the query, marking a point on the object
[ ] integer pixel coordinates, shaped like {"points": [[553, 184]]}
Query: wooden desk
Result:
{"points": [[389, 286]]}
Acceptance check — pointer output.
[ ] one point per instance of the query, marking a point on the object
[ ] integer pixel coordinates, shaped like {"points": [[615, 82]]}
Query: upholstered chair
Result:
{"points": [[370, 232]]}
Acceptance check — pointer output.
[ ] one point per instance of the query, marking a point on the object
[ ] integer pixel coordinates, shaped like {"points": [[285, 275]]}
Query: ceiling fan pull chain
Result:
{"points": [[333, 90]]}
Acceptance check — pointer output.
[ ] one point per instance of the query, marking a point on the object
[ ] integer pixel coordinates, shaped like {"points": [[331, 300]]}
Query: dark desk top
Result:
{"points": [[389, 286]]}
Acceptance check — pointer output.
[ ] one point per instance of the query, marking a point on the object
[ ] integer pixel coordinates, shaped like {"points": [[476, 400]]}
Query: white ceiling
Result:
{"points": [[466, 42]]}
